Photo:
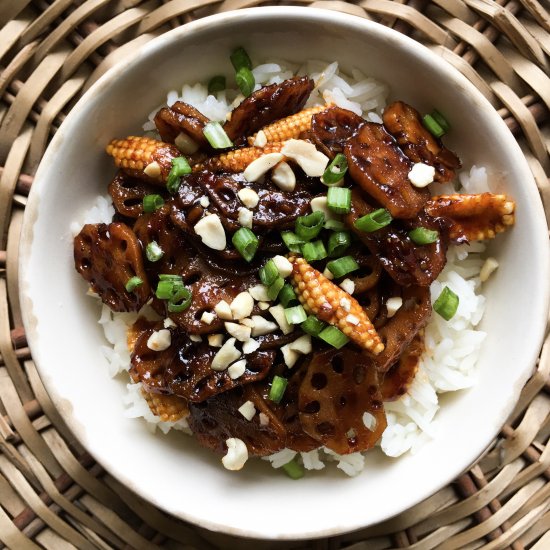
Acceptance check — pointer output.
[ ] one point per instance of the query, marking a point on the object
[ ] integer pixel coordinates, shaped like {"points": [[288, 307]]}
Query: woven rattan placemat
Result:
{"points": [[52, 493]]}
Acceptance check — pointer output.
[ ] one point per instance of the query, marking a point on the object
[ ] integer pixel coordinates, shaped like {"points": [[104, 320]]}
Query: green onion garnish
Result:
{"points": [[245, 81], [295, 315], [342, 266], [275, 287], [287, 296], [421, 235], [314, 251], [133, 283], [339, 199], [338, 243], [441, 120], [245, 242], [292, 241], [374, 221], [308, 227], [268, 273], [335, 170], [336, 338], [152, 203], [180, 167], [278, 387], [239, 58], [447, 304], [216, 136], [181, 301], [312, 325], [293, 470], [153, 252], [216, 84], [431, 124], [335, 225]]}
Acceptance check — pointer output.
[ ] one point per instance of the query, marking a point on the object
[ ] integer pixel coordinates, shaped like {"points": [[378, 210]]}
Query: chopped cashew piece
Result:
{"points": [[290, 356], [204, 201], [211, 232], [421, 174], [159, 340], [168, 323], [237, 454], [245, 217], [306, 155], [223, 310], [348, 285], [152, 170], [237, 369], [248, 197], [328, 274], [240, 332], [228, 354], [242, 305], [259, 293], [352, 319], [250, 345], [345, 304], [320, 204], [264, 419], [207, 317], [186, 144], [283, 177], [369, 421], [263, 305], [195, 338], [393, 304], [215, 340], [278, 313], [262, 326], [487, 269], [301, 345], [248, 410], [261, 139], [283, 266], [257, 168]]}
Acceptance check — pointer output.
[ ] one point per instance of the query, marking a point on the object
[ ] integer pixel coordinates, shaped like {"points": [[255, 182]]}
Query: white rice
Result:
{"points": [[452, 347]]}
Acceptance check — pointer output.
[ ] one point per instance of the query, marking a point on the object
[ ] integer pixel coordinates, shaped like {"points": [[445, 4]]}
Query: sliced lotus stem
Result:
{"points": [[237, 160], [290, 127], [143, 157], [169, 408], [474, 217], [331, 304]]}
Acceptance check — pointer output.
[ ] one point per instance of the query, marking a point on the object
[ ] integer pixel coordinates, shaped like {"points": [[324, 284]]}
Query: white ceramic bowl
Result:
{"points": [[173, 472]]}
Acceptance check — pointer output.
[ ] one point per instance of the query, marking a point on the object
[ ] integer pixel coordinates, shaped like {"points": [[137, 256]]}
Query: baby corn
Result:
{"points": [[290, 127], [238, 159], [169, 408], [331, 304]]}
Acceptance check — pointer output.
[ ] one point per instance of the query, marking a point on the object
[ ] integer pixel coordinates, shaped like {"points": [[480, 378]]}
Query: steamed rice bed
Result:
{"points": [[451, 347]]}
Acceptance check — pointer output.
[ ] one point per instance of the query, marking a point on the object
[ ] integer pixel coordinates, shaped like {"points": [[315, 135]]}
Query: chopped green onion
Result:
{"points": [[246, 243], [180, 301], [295, 315], [339, 199], [277, 390], [268, 273], [287, 296], [431, 124], [314, 251], [335, 225], [216, 84], [245, 81], [170, 277], [374, 221], [180, 167], [441, 120], [239, 58], [167, 288], [342, 266], [336, 170], [447, 304], [422, 235], [216, 136], [336, 338], [152, 203], [275, 287], [153, 252], [133, 283], [292, 241], [312, 325], [293, 470], [308, 227], [338, 243]]}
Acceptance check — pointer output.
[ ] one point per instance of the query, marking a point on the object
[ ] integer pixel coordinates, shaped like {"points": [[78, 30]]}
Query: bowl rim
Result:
{"points": [[148, 49]]}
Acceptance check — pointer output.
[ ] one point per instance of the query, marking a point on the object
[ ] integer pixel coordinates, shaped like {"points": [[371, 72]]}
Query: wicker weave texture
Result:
{"points": [[52, 493]]}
